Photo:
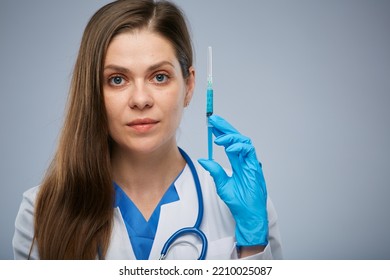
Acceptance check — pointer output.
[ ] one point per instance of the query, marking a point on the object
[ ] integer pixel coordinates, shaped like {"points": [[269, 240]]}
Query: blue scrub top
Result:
{"points": [[140, 231]]}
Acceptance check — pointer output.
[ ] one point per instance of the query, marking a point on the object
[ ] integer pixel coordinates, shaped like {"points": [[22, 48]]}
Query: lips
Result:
{"points": [[143, 125]]}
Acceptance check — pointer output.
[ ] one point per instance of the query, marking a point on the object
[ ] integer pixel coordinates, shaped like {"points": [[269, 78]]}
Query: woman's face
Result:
{"points": [[144, 92]]}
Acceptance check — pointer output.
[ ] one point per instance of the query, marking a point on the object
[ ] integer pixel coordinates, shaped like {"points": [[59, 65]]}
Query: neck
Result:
{"points": [[146, 174]]}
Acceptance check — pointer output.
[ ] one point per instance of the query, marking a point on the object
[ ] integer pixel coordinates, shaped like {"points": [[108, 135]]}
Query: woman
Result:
{"points": [[118, 186]]}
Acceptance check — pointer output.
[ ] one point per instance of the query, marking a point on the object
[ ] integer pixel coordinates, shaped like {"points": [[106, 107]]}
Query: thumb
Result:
{"points": [[216, 171]]}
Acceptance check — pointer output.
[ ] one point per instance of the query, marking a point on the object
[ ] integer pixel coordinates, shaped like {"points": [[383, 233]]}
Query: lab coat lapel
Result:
{"points": [[120, 247], [178, 214]]}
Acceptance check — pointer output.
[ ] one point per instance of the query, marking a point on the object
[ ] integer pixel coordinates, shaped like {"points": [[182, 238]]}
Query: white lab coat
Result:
{"points": [[218, 225]]}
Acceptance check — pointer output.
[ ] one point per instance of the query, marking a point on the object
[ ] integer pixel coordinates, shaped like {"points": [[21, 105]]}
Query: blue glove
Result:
{"points": [[245, 191]]}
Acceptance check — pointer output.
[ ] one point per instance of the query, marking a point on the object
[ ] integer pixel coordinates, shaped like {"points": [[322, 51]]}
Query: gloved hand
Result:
{"points": [[245, 191]]}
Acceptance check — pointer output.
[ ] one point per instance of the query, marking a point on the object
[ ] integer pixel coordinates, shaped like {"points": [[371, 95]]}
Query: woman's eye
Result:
{"points": [[116, 81], [160, 78]]}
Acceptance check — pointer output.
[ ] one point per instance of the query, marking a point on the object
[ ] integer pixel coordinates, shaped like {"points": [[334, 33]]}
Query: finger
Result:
{"points": [[243, 157], [216, 171], [248, 162], [246, 154], [238, 155], [221, 126], [246, 150], [230, 139]]}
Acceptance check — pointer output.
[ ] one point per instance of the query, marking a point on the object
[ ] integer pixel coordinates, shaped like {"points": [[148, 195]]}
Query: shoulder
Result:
{"points": [[28, 200], [24, 225], [31, 194]]}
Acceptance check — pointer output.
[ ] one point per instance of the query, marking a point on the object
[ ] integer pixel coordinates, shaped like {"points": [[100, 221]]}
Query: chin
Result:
{"points": [[146, 147]]}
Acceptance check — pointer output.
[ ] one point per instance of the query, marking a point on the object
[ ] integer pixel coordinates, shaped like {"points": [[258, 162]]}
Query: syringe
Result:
{"points": [[209, 106]]}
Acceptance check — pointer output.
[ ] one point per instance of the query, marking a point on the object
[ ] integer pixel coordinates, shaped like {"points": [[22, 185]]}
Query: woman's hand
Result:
{"points": [[245, 191]]}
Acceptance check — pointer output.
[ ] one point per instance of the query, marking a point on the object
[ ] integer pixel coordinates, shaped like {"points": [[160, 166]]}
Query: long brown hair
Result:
{"points": [[74, 209]]}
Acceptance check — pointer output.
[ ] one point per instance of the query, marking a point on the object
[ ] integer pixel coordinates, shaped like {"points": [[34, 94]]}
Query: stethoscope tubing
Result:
{"points": [[196, 228], [184, 231]]}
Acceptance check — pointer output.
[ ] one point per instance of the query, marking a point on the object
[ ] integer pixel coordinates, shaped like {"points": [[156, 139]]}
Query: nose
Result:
{"points": [[140, 97]]}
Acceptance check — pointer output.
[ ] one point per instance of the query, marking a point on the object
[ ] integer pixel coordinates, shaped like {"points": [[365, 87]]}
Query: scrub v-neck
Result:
{"points": [[140, 231]]}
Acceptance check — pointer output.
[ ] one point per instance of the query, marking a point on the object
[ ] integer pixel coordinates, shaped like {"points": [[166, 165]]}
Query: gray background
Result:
{"points": [[308, 81]]}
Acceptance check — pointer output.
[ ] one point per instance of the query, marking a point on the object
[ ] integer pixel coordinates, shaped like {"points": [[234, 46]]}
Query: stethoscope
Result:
{"points": [[196, 228]]}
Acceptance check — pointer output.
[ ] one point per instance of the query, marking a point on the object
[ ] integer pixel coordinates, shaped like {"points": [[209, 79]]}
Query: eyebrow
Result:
{"points": [[150, 68]]}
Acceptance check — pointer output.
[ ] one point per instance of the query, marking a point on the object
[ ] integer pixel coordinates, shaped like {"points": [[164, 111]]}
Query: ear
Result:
{"points": [[190, 86]]}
